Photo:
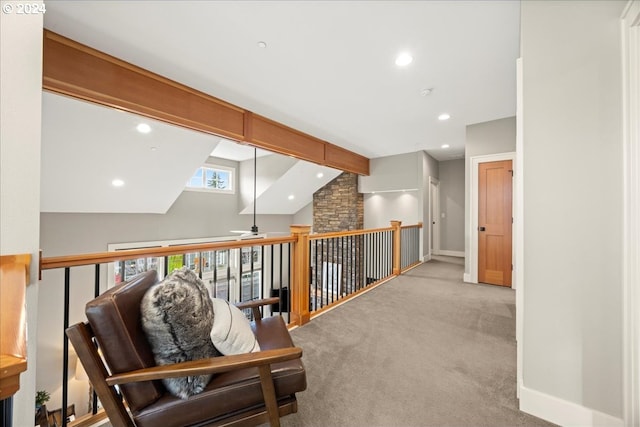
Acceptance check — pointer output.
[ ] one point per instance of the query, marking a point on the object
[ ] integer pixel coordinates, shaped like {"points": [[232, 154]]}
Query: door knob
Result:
{"points": [[481, 228]]}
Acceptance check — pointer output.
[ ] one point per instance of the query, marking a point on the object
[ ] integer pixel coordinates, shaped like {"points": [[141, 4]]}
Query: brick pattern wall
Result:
{"points": [[338, 206]]}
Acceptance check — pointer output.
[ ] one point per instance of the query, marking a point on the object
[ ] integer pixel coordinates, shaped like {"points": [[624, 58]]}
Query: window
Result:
{"points": [[212, 178]]}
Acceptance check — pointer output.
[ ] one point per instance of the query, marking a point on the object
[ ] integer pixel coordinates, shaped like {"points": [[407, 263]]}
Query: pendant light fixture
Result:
{"points": [[254, 228]]}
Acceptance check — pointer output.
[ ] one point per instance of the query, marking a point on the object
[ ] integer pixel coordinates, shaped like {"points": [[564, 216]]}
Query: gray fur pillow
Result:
{"points": [[177, 316]]}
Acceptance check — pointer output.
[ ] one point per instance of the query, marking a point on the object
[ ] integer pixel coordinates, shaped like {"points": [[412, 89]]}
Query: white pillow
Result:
{"points": [[231, 332]]}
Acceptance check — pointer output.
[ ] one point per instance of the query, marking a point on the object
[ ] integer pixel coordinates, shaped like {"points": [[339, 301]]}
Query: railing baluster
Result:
{"points": [[334, 268], [65, 345], [341, 264], [281, 279], [96, 292], [271, 278], [252, 273], [319, 273], [377, 257], [228, 259], [383, 254], [214, 266], [289, 283]]}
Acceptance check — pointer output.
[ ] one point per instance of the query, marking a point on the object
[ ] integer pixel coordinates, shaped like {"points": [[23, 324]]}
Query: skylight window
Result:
{"points": [[213, 178]]}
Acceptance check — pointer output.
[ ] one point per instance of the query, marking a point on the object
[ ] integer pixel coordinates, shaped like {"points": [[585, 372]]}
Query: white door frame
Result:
{"points": [[473, 218], [518, 230], [630, 44], [434, 209]]}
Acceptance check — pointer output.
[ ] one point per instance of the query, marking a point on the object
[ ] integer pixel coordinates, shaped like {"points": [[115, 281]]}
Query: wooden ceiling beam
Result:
{"points": [[75, 70]]}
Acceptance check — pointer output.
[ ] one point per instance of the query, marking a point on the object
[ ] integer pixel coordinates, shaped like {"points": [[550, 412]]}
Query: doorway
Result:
{"points": [[472, 224], [434, 222], [495, 222]]}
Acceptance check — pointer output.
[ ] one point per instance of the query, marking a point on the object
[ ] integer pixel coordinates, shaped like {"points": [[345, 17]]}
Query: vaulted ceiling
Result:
{"points": [[323, 67]]}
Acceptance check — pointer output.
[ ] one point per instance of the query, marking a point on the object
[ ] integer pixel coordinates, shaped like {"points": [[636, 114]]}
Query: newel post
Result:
{"points": [[396, 246], [300, 275]]}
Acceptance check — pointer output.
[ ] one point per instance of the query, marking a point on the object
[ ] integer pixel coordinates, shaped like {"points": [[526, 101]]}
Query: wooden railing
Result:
{"points": [[345, 264], [410, 246], [312, 272], [14, 278]]}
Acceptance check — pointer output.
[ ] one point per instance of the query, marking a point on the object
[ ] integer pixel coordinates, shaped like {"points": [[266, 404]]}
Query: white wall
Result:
{"points": [[430, 169], [389, 176], [381, 208], [304, 216], [452, 205], [494, 137], [20, 114], [269, 169], [392, 173], [572, 211]]}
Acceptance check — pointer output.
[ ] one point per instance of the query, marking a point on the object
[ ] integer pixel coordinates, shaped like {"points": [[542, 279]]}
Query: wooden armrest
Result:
{"points": [[255, 305], [207, 366]]}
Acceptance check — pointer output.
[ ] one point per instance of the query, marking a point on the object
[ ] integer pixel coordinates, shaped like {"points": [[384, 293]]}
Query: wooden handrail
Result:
{"points": [[299, 238], [49, 263], [418, 225], [14, 279], [348, 233]]}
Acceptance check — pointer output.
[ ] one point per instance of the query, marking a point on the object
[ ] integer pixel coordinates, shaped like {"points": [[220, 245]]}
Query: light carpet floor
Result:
{"points": [[424, 349]]}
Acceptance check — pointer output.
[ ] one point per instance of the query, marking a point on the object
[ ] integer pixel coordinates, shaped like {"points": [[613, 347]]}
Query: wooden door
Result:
{"points": [[495, 222]]}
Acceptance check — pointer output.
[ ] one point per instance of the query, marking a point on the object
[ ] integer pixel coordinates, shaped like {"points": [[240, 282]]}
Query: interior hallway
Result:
{"points": [[424, 349]]}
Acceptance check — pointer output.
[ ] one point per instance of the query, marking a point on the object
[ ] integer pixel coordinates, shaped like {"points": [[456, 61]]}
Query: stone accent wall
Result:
{"points": [[338, 206]]}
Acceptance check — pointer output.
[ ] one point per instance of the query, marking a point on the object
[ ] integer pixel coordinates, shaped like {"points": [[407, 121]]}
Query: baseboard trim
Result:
{"points": [[451, 253], [563, 412], [426, 258], [466, 277]]}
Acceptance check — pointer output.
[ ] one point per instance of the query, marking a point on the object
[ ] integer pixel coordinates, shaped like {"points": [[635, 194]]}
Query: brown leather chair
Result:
{"points": [[246, 389]]}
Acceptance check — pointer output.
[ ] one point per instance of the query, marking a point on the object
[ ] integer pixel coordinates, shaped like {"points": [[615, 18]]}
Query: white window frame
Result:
{"points": [[232, 180]]}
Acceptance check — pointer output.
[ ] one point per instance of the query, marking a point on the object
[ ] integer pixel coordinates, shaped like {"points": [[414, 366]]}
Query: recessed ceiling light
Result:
{"points": [[291, 197], [143, 128], [444, 146], [320, 175], [403, 59], [262, 45], [154, 148], [444, 116], [426, 92], [117, 182]]}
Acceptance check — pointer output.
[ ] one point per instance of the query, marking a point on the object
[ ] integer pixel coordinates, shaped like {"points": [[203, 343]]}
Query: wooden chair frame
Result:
{"points": [[81, 337]]}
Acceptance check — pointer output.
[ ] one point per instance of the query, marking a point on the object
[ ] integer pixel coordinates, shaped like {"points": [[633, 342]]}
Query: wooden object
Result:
{"points": [[76, 70], [55, 416], [81, 336], [41, 417], [300, 276], [397, 245], [14, 278], [495, 222]]}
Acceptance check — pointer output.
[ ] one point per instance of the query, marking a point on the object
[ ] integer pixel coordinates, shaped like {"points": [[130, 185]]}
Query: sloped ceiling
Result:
{"points": [[85, 147], [293, 190], [327, 70]]}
